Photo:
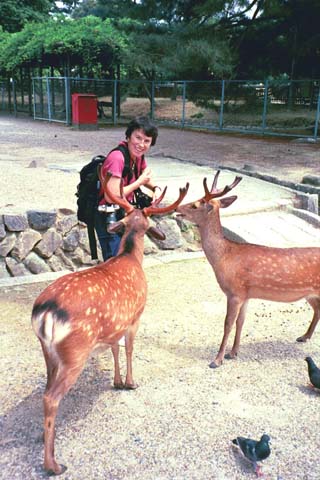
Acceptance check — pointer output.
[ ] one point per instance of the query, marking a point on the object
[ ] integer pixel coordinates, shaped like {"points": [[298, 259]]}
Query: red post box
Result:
{"points": [[84, 110]]}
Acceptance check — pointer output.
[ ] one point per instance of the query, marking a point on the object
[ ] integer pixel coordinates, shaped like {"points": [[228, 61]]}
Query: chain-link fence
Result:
{"points": [[290, 108]]}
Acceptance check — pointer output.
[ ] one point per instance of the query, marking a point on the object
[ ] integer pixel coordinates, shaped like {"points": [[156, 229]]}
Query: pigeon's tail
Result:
{"points": [[235, 441]]}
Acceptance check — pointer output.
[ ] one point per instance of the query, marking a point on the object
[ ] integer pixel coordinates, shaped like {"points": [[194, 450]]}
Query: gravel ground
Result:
{"points": [[180, 422]]}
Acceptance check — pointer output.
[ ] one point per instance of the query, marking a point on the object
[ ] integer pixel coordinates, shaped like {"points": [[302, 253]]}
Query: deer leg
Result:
{"points": [[60, 384], [315, 304], [129, 339], [117, 382], [233, 308], [239, 324], [52, 366]]}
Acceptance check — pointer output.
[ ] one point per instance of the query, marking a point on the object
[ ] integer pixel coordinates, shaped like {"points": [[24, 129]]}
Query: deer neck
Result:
{"points": [[132, 244], [213, 241]]}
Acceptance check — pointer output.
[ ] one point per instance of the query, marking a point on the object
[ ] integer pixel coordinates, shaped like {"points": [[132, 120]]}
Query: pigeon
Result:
{"points": [[254, 450], [314, 372]]}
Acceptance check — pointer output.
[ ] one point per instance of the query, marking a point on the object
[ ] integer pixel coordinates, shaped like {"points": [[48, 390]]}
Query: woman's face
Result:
{"points": [[138, 143]]}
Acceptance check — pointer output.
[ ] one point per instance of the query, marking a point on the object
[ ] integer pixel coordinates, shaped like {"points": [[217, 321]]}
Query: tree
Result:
{"points": [[283, 39], [14, 14], [63, 43]]}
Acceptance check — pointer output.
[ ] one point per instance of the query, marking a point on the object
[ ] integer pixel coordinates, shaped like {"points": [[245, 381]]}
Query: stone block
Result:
{"points": [[71, 241], [65, 223], [149, 246], [36, 264], [173, 235], [51, 241], [15, 222], [56, 264], [66, 261], [311, 180], [2, 231], [41, 220], [80, 257], [16, 268], [3, 269], [24, 244], [83, 239], [7, 244]]}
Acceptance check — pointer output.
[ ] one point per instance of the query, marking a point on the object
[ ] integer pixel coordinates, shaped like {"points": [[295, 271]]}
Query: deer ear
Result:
{"points": [[116, 227], [155, 233], [226, 202]]}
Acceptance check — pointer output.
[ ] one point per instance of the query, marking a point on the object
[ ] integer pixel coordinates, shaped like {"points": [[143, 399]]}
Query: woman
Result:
{"points": [[141, 134]]}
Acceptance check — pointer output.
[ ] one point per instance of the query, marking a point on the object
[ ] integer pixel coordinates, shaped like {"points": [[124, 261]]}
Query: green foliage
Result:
{"points": [[14, 14], [87, 41], [200, 59], [165, 39], [175, 52], [283, 39]]}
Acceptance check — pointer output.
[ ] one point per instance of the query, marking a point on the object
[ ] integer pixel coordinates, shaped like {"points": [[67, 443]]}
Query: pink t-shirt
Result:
{"points": [[114, 163]]}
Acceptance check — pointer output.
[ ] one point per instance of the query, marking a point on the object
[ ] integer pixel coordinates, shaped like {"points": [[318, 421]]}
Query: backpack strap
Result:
{"points": [[92, 241], [127, 171], [125, 152]]}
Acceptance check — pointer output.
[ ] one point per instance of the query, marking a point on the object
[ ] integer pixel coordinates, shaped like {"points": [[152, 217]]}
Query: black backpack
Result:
{"points": [[88, 193]]}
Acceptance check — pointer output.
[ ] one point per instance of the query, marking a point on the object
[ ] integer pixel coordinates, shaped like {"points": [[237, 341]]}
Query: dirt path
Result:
{"points": [[24, 140], [25, 143]]}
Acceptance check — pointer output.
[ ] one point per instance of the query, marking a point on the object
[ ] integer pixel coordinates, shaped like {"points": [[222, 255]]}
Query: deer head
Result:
{"points": [[138, 219], [198, 211]]}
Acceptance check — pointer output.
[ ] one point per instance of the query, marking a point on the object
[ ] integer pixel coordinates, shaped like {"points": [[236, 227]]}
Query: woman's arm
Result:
{"points": [[144, 179]]}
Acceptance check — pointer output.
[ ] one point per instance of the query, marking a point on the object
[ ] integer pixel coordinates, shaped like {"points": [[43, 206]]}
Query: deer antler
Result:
{"points": [[154, 209], [215, 192], [119, 200], [123, 202]]}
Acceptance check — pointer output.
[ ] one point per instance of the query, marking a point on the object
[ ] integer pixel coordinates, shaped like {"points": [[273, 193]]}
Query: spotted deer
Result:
{"points": [[245, 270], [84, 310]]}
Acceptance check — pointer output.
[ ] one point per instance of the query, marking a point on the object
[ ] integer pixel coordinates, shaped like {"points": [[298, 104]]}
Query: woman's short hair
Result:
{"points": [[144, 124]]}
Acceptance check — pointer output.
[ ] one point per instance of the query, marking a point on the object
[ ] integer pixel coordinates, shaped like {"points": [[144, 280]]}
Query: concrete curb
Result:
{"points": [[148, 262], [300, 188]]}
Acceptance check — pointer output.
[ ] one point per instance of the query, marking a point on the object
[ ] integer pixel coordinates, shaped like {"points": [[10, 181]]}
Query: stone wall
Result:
{"points": [[35, 241]]}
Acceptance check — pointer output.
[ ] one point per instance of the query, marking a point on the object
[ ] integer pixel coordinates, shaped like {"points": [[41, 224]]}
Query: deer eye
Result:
{"points": [[194, 206]]}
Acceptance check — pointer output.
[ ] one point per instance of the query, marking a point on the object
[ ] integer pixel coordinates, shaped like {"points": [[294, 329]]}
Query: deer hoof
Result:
{"points": [[118, 386], [214, 365], [230, 356], [59, 470], [302, 339], [131, 386]]}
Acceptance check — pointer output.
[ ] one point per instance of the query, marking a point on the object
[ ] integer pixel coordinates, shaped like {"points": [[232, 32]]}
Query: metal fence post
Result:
{"points": [[265, 104], [34, 98], [48, 99], [68, 100], [183, 103], [115, 101], [14, 96], [2, 96], [152, 99], [221, 105], [316, 123]]}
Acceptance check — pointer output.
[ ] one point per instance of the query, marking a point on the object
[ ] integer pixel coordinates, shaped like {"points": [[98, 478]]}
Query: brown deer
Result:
{"points": [[245, 270], [84, 310]]}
